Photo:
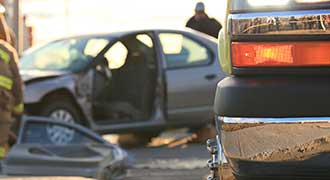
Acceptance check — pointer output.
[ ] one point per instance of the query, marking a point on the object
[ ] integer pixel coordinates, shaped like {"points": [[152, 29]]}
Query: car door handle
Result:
{"points": [[210, 77]]}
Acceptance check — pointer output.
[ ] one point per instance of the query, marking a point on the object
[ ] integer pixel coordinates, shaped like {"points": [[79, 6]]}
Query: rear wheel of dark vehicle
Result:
{"points": [[61, 109]]}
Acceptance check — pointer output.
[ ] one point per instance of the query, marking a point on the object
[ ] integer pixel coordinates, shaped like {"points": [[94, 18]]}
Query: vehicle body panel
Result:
{"points": [[28, 76], [37, 156], [189, 88], [39, 89], [225, 40]]}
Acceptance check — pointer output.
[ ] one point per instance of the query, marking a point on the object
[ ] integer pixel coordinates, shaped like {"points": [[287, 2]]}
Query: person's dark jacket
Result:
{"points": [[205, 25]]}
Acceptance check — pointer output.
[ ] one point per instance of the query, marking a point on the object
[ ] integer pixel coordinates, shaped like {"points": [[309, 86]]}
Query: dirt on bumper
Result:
{"points": [[278, 149]]}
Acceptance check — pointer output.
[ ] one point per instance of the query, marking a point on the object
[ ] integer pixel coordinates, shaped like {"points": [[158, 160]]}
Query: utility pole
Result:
{"points": [[18, 25], [67, 15]]}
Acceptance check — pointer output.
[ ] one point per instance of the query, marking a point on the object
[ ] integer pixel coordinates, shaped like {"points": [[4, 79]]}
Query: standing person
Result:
{"points": [[203, 23], [11, 93]]}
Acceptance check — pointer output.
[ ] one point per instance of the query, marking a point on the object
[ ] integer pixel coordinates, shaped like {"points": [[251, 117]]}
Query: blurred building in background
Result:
{"points": [[52, 19], [17, 21], [39, 21]]}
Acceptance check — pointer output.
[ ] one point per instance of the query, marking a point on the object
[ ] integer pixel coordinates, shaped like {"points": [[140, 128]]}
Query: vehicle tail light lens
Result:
{"points": [[300, 54]]}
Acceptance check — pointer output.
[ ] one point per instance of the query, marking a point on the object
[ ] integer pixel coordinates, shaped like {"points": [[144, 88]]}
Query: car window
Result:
{"points": [[116, 55], [181, 51], [145, 39], [95, 46], [65, 55], [133, 45], [54, 134]]}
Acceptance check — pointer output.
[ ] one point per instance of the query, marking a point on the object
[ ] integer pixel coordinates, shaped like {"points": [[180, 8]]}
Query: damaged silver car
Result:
{"points": [[125, 82]]}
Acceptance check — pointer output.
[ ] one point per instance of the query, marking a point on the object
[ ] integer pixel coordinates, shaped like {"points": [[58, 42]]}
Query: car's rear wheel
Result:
{"points": [[61, 109]]}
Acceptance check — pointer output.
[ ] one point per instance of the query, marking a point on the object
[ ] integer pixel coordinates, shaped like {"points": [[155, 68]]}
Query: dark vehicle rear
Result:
{"points": [[272, 113]]}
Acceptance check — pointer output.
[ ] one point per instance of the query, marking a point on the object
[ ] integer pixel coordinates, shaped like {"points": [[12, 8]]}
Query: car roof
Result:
{"points": [[120, 34]]}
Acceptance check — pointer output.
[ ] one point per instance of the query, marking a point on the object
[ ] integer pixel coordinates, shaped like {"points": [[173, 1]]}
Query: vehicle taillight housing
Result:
{"points": [[286, 54]]}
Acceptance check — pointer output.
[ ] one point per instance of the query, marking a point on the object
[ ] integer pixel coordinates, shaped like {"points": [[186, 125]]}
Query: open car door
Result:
{"points": [[87, 154]]}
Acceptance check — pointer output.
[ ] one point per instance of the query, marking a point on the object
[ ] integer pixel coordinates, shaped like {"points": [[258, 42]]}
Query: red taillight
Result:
{"points": [[289, 54]]}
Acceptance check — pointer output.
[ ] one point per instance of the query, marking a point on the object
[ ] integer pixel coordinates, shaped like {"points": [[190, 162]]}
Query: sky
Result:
{"points": [[52, 19]]}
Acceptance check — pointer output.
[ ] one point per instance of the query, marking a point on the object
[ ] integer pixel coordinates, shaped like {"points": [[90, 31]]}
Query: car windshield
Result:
{"points": [[66, 55]]}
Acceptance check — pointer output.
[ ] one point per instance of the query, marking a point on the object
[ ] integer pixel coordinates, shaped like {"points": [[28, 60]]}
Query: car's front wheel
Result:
{"points": [[61, 109]]}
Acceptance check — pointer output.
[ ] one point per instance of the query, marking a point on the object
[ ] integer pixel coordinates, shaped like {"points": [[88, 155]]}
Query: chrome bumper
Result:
{"points": [[281, 23], [283, 147]]}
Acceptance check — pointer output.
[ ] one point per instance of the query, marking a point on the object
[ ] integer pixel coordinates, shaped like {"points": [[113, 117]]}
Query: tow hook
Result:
{"points": [[213, 163]]}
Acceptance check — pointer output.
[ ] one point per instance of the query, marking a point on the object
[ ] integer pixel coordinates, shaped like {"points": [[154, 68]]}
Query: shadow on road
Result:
{"points": [[175, 155]]}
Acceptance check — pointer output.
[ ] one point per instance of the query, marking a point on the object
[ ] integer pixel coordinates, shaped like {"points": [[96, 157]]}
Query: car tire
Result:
{"points": [[61, 107], [61, 103]]}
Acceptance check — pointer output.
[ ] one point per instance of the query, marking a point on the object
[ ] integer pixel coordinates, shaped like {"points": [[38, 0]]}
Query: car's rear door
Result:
{"points": [[192, 72]]}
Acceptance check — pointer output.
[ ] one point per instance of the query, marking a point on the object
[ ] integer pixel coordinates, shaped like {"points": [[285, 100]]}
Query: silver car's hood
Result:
{"points": [[28, 75]]}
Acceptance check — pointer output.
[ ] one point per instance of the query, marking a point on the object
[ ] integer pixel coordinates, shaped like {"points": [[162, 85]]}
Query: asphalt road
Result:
{"points": [[184, 162]]}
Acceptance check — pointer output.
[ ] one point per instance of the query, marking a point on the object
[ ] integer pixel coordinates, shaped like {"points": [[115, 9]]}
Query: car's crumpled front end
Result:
{"points": [[272, 114]]}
